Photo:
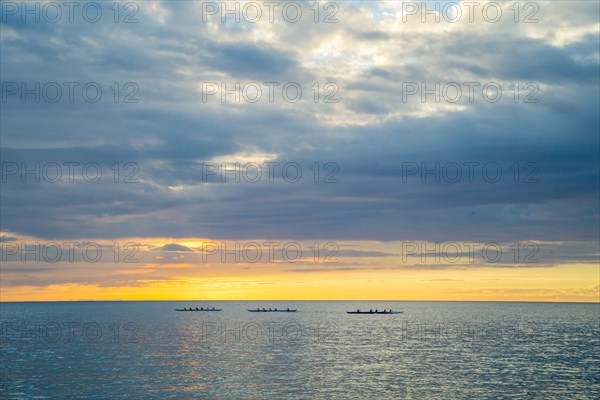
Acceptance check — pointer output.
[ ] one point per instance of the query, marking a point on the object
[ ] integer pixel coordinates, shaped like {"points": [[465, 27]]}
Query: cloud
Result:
{"points": [[173, 247], [251, 61], [371, 134]]}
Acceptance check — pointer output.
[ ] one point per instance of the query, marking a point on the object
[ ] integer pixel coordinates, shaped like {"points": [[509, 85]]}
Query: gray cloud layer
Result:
{"points": [[370, 134]]}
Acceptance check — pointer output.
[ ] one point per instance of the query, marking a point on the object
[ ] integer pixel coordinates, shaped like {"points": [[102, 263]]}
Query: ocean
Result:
{"points": [[433, 350]]}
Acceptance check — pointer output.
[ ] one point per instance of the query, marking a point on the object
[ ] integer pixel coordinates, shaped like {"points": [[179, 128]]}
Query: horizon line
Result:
{"points": [[274, 300]]}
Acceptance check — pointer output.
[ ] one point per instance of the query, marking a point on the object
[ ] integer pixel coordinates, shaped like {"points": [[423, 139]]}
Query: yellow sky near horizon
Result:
{"points": [[565, 283], [177, 269]]}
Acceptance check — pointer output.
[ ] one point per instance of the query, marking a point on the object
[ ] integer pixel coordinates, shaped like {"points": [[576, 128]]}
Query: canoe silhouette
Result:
{"points": [[374, 312]]}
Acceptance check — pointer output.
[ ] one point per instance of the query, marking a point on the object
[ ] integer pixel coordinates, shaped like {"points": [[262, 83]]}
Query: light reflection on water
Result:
{"points": [[434, 350]]}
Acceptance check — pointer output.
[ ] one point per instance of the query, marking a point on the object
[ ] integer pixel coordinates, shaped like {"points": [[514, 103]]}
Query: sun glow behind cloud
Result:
{"points": [[190, 268]]}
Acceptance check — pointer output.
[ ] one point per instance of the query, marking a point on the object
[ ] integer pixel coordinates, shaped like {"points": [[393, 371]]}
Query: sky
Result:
{"points": [[303, 150]]}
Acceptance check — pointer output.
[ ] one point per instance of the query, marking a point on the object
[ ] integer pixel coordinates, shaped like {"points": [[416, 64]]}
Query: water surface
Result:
{"points": [[434, 350]]}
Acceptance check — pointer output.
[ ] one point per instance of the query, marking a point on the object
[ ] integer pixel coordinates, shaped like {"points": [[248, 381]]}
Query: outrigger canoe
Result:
{"points": [[273, 310], [374, 312], [197, 309]]}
